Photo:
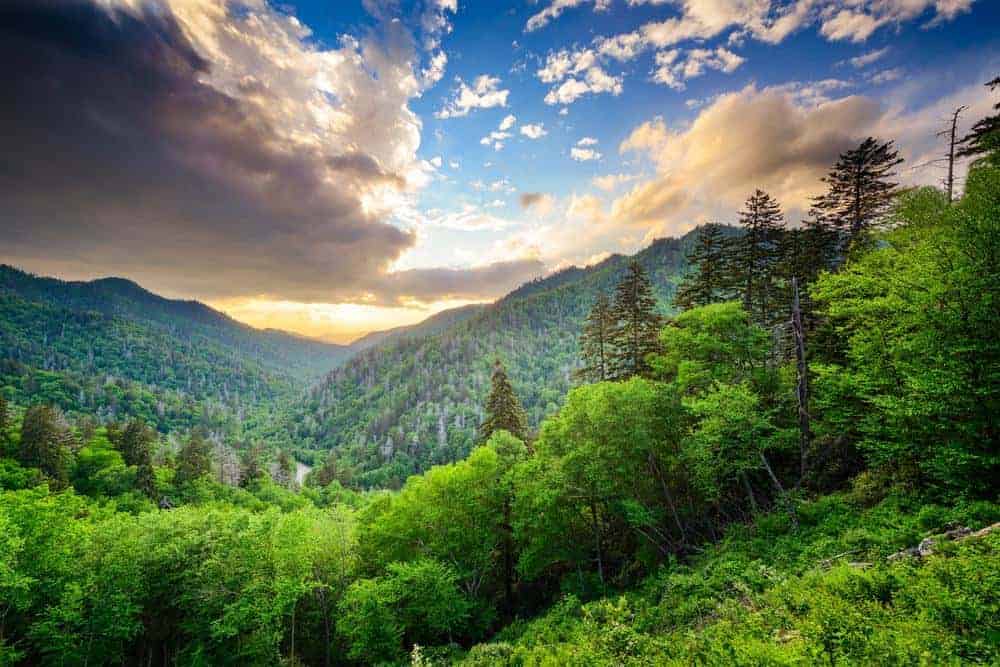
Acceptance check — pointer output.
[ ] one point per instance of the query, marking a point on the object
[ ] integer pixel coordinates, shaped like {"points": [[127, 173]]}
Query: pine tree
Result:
{"points": [[4, 412], [983, 140], [134, 442], [860, 190], [595, 341], [251, 469], [503, 409], [145, 479], [284, 469], [44, 444], [755, 255], [708, 258], [194, 459], [637, 324]]}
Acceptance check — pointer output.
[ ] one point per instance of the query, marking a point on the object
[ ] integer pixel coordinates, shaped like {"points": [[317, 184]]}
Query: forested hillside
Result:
{"points": [[111, 349], [415, 400]]}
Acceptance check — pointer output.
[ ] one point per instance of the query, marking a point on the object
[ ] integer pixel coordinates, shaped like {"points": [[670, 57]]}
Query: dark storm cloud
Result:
{"points": [[118, 158]]}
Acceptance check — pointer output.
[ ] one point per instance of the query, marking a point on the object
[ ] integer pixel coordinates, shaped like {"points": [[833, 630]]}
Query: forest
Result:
{"points": [[789, 456]]}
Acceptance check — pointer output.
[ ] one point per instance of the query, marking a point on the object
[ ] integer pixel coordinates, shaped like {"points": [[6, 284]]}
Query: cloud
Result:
{"points": [[588, 208], [868, 58], [672, 69], [476, 283], [733, 147], [540, 202], [484, 93], [584, 154], [507, 122], [611, 181], [587, 141], [555, 9], [536, 131], [595, 80]]}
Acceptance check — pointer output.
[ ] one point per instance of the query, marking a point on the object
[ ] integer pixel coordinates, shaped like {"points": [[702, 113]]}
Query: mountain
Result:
{"points": [[111, 348], [430, 326], [413, 398]]}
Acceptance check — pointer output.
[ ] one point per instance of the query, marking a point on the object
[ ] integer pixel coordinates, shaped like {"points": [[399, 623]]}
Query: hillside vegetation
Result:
{"points": [[739, 482], [111, 349], [415, 401]]}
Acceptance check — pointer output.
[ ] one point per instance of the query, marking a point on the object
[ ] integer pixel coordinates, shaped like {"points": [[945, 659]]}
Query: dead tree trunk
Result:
{"points": [[802, 389]]}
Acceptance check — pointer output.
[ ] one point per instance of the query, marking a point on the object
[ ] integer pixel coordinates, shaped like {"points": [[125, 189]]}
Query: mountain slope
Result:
{"points": [[414, 401], [112, 348]]}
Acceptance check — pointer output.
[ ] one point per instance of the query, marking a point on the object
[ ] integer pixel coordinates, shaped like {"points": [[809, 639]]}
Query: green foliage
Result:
{"points": [[44, 444], [636, 324], [503, 409], [194, 459], [920, 379]]}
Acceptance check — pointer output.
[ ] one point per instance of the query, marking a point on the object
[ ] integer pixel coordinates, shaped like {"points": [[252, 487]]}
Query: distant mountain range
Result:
{"points": [[388, 405], [111, 348], [411, 397]]}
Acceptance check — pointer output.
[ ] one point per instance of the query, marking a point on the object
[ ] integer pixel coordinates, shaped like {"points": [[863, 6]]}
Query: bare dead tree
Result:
{"points": [[803, 380], [952, 141]]}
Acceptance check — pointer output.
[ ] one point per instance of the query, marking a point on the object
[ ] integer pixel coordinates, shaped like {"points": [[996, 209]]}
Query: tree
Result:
{"points": [[595, 341], [756, 254], [637, 324], [919, 387], [134, 442], [707, 283], [194, 459], [983, 140], [503, 409], [251, 468], [284, 469], [45, 443], [860, 190], [3, 418]]}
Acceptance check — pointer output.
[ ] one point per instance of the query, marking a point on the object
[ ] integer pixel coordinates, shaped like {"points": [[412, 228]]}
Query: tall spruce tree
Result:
{"points": [[4, 412], [637, 324], [983, 140], [134, 442], [45, 439], [755, 255], [503, 409], [707, 261], [194, 459], [595, 341], [860, 191]]}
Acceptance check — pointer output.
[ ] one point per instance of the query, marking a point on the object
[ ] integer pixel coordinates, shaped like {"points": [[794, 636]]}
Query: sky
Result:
{"points": [[334, 167]]}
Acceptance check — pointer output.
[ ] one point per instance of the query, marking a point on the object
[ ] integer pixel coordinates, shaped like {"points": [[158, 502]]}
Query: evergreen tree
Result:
{"points": [[251, 470], [134, 442], [860, 190], [284, 469], [637, 324], [145, 479], [595, 341], [755, 255], [983, 140], [194, 459], [45, 441], [3, 418], [708, 258], [503, 409]]}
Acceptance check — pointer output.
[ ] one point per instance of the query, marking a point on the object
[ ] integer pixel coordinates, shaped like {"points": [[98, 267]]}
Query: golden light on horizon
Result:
{"points": [[330, 322]]}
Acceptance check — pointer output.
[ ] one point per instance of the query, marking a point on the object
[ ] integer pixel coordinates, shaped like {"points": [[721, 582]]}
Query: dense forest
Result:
{"points": [[778, 446]]}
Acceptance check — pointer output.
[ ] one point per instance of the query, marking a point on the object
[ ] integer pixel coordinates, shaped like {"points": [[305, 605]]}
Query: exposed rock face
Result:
{"points": [[928, 544]]}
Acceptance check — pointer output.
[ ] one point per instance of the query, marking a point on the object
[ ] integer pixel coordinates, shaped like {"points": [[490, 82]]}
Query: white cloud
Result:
{"points": [[611, 181], [507, 122], [587, 141], [556, 8], [584, 154], [536, 131], [672, 69], [868, 58], [484, 93], [436, 161]]}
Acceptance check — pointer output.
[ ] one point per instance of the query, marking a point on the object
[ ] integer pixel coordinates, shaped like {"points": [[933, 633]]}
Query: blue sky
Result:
{"points": [[336, 167]]}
